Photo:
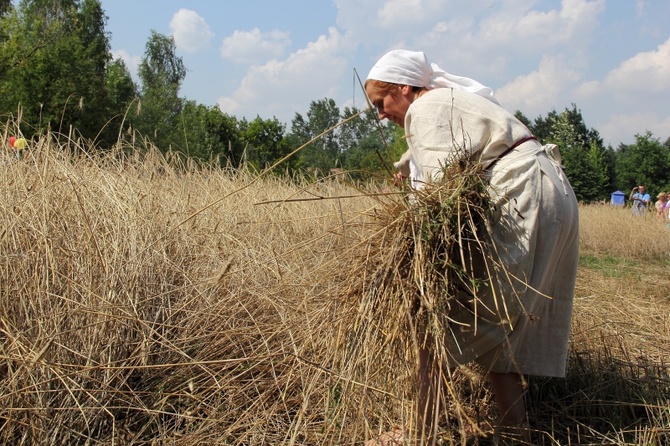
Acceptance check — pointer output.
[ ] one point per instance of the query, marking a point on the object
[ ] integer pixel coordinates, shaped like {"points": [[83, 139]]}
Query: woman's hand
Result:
{"points": [[398, 178]]}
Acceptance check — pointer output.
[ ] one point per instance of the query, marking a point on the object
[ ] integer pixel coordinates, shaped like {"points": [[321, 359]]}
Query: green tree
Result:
{"points": [[370, 146], [161, 73], [5, 6], [53, 59], [208, 133], [523, 118], [95, 57], [646, 162], [160, 66], [324, 153], [585, 160], [265, 143], [121, 92], [609, 158], [355, 129]]}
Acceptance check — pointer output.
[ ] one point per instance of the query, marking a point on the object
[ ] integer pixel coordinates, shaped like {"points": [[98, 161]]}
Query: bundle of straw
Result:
{"points": [[430, 262]]}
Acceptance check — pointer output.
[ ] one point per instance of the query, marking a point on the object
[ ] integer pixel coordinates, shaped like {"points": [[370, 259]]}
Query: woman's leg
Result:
{"points": [[508, 392], [426, 398]]}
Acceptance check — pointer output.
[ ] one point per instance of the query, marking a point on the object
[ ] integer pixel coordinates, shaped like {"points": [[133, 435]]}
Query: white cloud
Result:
{"points": [[490, 41], [517, 30], [588, 90], [541, 90], [636, 86], [353, 16], [132, 62], [191, 32], [640, 7], [401, 13], [394, 12], [643, 73], [623, 127], [247, 47], [280, 88], [229, 105]]}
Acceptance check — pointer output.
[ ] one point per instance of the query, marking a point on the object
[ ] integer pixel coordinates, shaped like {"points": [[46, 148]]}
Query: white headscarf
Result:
{"points": [[412, 68]]}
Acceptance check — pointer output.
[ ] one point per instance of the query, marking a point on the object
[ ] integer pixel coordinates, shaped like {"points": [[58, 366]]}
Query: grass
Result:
{"points": [[609, 265], [146, 300]]}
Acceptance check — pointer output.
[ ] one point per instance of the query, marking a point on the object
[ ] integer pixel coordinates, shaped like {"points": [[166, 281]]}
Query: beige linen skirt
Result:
{"points": [[535, 232]]}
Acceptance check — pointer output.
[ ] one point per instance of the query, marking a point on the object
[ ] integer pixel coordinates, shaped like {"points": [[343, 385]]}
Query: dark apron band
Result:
{"points": [[514, 146]]}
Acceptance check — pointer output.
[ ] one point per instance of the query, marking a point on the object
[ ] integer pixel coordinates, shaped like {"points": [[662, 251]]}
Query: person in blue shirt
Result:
{"points": [[640, 199]]}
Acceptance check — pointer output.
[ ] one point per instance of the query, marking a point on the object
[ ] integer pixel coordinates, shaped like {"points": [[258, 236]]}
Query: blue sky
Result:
{"points": [[273, 58]]}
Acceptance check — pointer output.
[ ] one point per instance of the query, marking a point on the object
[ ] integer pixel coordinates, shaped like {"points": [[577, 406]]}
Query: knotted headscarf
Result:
{"points": [[412, 68]]}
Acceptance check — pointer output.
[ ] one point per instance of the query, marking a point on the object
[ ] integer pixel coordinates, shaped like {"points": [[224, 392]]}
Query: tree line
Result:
{"points": [[57, 76]]}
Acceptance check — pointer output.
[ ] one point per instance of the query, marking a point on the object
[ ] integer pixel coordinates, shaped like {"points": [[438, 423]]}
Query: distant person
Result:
{"points": [[640, 199], [661, 206]]}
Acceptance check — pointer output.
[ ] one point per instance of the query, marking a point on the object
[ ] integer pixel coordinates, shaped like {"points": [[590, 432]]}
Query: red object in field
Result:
{"points": [[12, 140]]}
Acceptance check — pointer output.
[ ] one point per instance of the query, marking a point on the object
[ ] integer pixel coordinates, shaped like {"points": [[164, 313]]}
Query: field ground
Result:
{"points": [[148, 302]]}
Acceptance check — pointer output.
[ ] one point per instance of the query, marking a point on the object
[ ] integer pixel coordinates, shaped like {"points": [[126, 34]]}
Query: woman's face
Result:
{"points": [[391, 105]]}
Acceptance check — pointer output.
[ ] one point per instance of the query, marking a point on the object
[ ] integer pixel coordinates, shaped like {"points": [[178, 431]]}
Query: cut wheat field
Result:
{"points": [[149, 300]]}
